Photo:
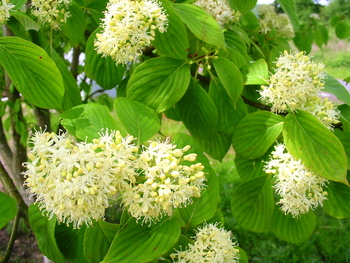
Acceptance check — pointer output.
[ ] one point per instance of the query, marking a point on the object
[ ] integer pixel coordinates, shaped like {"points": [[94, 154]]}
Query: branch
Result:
{"points": [[5, 150], [9, 248], [13, 192], [256, 104], [75, 62], [43, 118]]}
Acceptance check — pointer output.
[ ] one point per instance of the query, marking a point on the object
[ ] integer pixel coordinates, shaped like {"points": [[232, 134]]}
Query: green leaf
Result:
{"points": [[333, 86], [230, 77], [252, 204], [337, 204], [303, 40], [258, 73], [294, 230], [44, 230], [71, 242], [18, 4], [136, 243], [288, 7], [342, 30], [102, 69], [86, 121], [8, 209], [345, 140], [172, 43], [203, 208], [255, 133], [159, 83], [226, 110], [235, 41], [244, 6], [251, 168], [96, 9], [26, 21], [32, 71], [72, 92], [306, 138], [201, 24], [216, 145], [74, 27], [139, 120], [98, 239], [198, 112]]}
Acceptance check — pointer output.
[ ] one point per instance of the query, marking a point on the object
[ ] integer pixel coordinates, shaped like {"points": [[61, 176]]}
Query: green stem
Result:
{"points": [[9, 248], [8, 183]]}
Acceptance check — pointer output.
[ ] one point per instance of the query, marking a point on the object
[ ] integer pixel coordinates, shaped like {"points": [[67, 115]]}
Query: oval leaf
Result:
{"points": [[252, 204], [342, 30], [74, 28], [337, 204], [86, 121], [32, 71], [258, 73], [102, 69], [172, 43], [306, 138], [198, 112], [255, 134], [159, 83], [98, 239], [136, 243], [8, 209], [44, 230], [230, 77], [201, 24], [294, 230], [333, 86], [139, 120], [70, 242]]}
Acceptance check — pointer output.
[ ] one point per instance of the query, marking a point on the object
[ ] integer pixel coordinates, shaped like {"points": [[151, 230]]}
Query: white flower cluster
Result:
{"points": [[53, 12], [76, 181], [270, 20], [128, 26], [167, 181], [5, 8], [212, 244], [296, 84], [299, 188], [220, 10]]}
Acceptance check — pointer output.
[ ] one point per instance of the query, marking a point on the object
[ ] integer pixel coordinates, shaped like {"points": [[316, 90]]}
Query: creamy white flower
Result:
{"points": [[75, 182], [220, 10], [5, 8], [300, 189], [128, 26], [211, 244], [53, 12], [270, 20], [296, 85], [167, 181]]}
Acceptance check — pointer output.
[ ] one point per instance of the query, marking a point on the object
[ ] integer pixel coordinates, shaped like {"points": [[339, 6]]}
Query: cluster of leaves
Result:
{"points": [[196, 73]]}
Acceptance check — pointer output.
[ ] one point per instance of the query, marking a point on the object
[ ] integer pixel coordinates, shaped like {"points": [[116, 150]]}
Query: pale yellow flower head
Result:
{"points": [[299, 188], [76, 181], [211, 245], [168, 179], [53, 12], [5, 8], [296, 85], [270, 20], [220, 10], [128, 26]]}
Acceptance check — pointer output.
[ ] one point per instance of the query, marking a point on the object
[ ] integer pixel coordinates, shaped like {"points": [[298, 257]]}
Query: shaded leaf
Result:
{"points": [[337, 204], [8, 209]]}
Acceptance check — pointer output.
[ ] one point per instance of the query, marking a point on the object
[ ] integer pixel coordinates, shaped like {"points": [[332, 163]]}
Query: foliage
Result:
{"points": [[179, 62]]}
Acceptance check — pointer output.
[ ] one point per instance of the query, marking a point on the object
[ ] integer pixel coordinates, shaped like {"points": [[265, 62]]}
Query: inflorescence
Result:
{"points": [[76, 181]]}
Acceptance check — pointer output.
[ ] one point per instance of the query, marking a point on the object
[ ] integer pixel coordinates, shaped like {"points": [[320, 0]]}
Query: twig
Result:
{"points": [[11, 242]]}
